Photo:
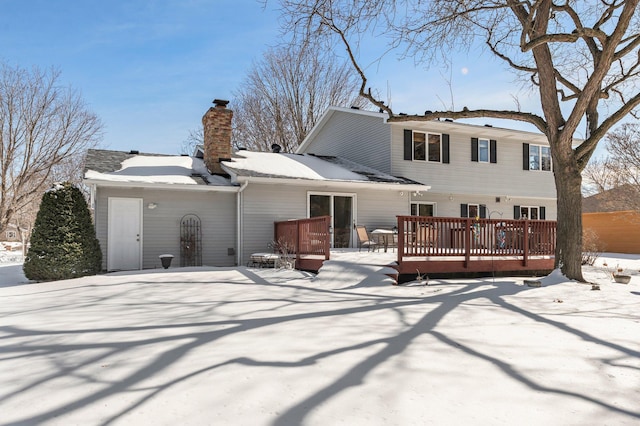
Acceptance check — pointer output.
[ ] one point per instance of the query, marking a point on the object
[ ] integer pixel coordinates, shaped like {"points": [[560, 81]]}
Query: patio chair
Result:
{"points": [[364, 240], [426, 236]]}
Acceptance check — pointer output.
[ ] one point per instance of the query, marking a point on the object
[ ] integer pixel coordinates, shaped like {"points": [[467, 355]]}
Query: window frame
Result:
{"points": [[417, 204], [427, 146], [487, 150], [543, 155]]}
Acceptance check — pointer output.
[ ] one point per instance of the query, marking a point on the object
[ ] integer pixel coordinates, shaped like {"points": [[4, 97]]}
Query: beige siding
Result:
{"points": [[506, 178], [161, 226], [357, 137]]}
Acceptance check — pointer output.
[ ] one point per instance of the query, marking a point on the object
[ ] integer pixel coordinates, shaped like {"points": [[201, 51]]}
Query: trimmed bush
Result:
{"points": [[63, 242]]}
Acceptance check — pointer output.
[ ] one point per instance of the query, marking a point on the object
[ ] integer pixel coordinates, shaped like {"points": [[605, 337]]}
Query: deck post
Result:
{"points": [[525, 242], [467, 242], [401, 235]]}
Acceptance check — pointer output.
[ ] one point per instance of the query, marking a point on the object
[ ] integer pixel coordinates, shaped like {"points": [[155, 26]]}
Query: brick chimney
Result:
{"points": [[217, 136]]}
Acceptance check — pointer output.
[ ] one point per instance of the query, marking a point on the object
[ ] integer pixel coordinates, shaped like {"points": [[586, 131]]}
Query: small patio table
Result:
{"points": [[384, 235]]}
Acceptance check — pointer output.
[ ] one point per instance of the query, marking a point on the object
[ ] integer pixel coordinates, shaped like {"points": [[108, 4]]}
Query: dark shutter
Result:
{"points": [[408, 144], [493, 151], [516, 212], [445, 148], [483, 211], [525, 156], [474, 149], [543, 213], [464, 210]]}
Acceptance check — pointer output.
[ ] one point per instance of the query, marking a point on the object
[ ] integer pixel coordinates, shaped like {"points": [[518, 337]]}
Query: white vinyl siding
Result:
{"points": [[461, 176], [357, 137], [265, 204], [161, 225], [448, 205]]}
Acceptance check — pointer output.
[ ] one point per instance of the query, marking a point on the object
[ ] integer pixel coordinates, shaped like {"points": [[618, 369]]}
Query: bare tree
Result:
{"points": [[580, 57], [287, 91], [617, 177], [45, 130], [195, 138]]}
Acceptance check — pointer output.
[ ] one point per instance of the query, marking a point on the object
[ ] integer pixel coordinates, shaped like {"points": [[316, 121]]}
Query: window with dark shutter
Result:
{"points": [[408, 144], [445, 148], [474, 149], [525, 156], [464, 210], [543, 213], [483, 211], [516, 210], [493, 151]]}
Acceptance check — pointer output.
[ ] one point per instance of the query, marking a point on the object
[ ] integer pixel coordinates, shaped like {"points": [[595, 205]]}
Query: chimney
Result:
{"points": [[217, 136]]}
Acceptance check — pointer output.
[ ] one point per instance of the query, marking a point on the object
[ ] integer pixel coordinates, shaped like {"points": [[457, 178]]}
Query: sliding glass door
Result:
{"points": [[341, 209]]}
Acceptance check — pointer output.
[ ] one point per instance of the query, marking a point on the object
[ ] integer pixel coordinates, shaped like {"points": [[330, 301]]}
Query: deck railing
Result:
{"points": [[434, 237], [307, 239]]}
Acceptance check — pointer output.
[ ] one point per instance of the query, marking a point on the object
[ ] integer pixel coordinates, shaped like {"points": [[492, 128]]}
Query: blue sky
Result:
{"points": [[150, 69]]}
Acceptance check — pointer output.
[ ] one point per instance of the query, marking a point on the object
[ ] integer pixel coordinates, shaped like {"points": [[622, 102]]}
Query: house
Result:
{"points": [[613, 220], [472, 171], [218, 207]]}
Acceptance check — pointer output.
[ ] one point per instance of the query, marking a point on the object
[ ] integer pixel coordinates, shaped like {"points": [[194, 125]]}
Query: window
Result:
{"points": [[529, 212], [538, 157], [423, 209], [484, 150], [473, 210], [426, 145], [423, 146], [12, 235], [434, 148], [419, 146]]}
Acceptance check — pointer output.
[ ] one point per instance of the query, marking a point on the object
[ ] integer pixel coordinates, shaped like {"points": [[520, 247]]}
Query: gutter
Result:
{"points": [[239, 224], [160, 186], [353, 184]]}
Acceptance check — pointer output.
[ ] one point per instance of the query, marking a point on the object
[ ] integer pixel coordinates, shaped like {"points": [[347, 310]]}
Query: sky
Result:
{"points": [[151, 69]]}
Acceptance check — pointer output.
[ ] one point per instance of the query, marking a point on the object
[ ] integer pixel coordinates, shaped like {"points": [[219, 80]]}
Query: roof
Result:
{"points": [[119, 168], [306, 167], [622, 198], [154, 169]]}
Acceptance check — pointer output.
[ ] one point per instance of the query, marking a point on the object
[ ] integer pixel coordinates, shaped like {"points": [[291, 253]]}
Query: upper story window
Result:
{"points": [[536, 157], [423, 146], [484, 150]]}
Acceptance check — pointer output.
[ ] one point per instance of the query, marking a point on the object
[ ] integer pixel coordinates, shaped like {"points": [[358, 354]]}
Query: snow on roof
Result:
{"points": [[155, 169], [304, 166]]}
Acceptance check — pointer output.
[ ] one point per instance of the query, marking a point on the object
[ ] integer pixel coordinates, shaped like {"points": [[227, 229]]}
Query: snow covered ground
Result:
{"points": [[243, 346]]}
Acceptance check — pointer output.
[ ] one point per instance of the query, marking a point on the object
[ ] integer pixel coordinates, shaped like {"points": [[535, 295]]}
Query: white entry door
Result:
{"points": [[125, 234]]}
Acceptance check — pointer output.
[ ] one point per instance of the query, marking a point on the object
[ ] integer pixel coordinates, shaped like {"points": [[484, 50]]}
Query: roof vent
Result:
{"points": [[448, 120], [275, 148], [354, 107], [488, 125], [134, 152], [427, 112]]}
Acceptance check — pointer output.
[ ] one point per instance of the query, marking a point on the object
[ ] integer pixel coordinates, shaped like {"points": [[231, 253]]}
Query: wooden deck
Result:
{"points": [[467, 245], [438, 245]]}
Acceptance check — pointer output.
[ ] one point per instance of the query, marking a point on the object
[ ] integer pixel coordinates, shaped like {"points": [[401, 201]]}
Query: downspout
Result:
{"points": [[239, 227]]}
